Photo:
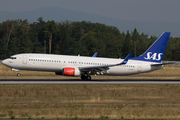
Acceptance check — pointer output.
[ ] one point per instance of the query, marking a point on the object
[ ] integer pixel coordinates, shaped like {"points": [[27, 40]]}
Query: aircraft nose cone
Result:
{"points": [[4, 62]]}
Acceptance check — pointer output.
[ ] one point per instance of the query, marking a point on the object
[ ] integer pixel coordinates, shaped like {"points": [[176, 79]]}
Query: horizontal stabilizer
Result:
{"points": [[163, 64]]}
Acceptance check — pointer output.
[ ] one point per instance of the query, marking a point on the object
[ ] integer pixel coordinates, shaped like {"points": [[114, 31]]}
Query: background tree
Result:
{"points": [[135, 43], [127, 45], [73, 38]]}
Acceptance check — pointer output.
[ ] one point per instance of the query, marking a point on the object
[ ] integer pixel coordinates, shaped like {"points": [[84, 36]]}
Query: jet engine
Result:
{"points": [[68, 71]]}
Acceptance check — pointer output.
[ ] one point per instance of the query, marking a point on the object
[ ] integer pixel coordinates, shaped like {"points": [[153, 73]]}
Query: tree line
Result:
{"points": [[74, 38]]}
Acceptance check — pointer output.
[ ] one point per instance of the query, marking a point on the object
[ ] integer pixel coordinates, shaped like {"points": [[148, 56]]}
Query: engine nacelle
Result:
{"points": [[68, 71]]}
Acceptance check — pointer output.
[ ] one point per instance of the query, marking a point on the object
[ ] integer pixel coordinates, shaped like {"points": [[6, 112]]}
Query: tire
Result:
{"points": [[18, 74], [83, 77], [88, 77]]}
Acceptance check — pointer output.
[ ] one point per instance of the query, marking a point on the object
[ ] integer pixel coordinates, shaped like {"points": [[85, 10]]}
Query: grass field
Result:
{"points": [[90, 101], [168, 72]]}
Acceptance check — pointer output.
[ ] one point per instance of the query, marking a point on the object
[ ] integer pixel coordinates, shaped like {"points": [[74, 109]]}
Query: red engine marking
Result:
{"points": [[69, 71]]}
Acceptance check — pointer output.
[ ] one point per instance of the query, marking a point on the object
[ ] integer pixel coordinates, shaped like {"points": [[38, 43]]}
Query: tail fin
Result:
{"points": [[156, 51]]}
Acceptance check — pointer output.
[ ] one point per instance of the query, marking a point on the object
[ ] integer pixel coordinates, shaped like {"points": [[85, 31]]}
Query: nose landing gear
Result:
{"points": [[18, 74]]}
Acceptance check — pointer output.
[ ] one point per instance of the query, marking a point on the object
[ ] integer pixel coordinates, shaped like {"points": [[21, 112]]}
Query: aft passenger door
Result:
{"points": [[139, 67]]}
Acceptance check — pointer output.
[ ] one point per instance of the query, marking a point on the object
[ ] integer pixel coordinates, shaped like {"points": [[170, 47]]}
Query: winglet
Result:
{"points": [[125, 60], [95, 54]]}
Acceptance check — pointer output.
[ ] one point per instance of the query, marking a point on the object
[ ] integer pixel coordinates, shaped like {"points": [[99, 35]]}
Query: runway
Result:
{"points": [[95, 81]]}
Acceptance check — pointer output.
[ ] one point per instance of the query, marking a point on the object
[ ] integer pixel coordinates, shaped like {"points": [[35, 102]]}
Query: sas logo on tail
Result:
{"points": [[154, 56]]}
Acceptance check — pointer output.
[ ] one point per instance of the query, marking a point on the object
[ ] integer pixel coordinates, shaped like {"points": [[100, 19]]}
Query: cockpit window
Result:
{"points": [[12, 58]]}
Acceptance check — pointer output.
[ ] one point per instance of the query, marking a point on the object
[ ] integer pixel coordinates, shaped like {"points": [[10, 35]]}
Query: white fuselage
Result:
{"points": [[56, 63]]}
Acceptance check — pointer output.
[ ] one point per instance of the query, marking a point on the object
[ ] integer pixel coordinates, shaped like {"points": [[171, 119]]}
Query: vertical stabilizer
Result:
{"points": [[156, 51]]}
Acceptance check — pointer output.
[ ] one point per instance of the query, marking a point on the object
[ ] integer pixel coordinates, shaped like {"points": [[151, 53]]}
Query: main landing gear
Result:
{"points": [[83, 77]]}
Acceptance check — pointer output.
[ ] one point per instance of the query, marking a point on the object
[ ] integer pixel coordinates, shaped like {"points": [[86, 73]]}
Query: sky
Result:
{"points": [[138, 10]]}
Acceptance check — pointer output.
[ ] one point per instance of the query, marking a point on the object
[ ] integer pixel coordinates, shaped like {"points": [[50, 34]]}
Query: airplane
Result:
{"points": [[83, 66]]}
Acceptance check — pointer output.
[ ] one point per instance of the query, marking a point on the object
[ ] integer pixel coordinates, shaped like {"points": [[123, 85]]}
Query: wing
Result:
{"points": [[103, 67]]}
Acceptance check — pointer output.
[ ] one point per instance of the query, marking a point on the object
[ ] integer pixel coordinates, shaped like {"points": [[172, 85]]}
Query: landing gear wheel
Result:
{"points": [[18, 74], [88, 77], [83, 77]]}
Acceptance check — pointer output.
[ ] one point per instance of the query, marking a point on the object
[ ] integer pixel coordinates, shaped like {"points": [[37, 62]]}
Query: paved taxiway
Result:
{"points": [[94, 81]]}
